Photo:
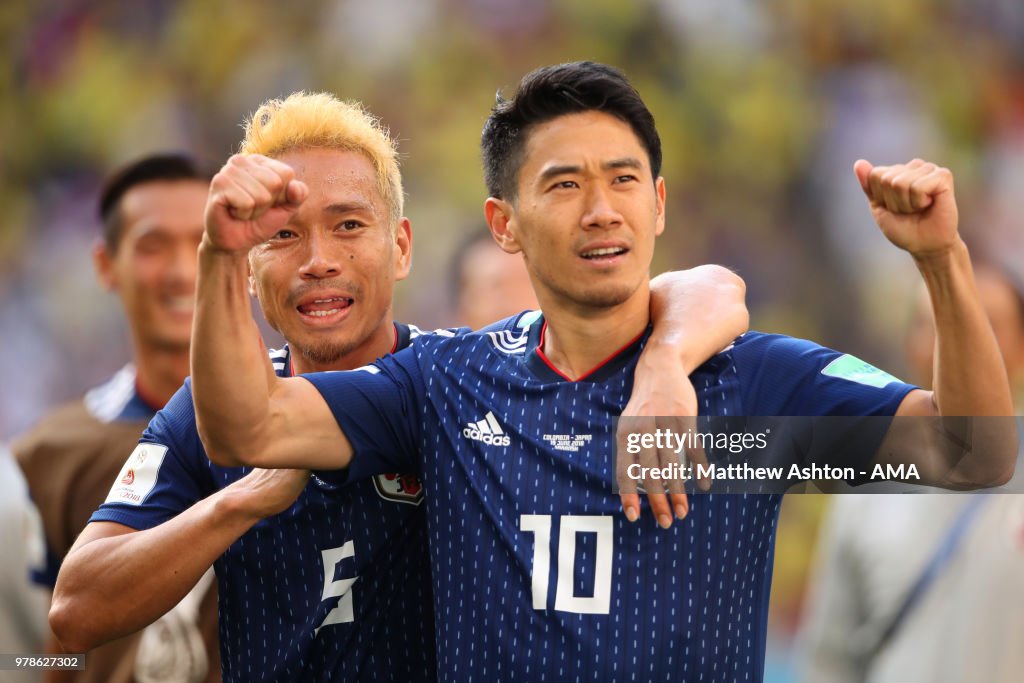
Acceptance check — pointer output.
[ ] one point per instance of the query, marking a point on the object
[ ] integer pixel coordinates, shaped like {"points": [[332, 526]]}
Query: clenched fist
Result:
{"points": [[251, 198], [913, 204]]}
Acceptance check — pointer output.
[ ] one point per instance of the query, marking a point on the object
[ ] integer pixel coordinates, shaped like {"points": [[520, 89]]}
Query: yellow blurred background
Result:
{"points": [[762, 106]]}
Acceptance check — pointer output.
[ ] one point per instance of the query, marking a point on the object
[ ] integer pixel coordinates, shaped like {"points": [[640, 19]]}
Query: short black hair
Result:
{"points": [[148, 169], [552, 91]]}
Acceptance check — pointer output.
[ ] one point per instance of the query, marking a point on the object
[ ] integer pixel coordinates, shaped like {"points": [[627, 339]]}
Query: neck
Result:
{"points": [[160, 373], [379, 344], [578, 339]]}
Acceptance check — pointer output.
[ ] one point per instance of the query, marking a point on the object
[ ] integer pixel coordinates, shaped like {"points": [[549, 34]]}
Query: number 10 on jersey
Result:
{"points": [[569, 526]]}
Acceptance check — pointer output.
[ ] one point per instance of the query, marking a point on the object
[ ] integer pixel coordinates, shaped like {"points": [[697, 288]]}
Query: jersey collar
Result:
{"points": [[403, 337], [544, 369]]}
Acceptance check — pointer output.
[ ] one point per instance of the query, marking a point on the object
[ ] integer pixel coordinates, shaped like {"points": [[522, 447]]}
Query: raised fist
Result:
{"points": [[913, 204], [251, 198]]}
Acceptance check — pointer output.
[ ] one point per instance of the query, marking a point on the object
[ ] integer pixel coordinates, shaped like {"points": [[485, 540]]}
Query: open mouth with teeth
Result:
{"points": [[322, 308], [179, 305], [603, 253]]}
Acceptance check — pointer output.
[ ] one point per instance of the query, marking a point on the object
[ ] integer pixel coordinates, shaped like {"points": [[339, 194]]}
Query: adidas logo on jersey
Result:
{"points": [[487, 431]]}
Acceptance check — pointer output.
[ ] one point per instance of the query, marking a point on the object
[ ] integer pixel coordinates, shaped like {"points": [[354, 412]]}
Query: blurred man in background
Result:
{"points": [[487, 283], [151, 213], [926, 587]]}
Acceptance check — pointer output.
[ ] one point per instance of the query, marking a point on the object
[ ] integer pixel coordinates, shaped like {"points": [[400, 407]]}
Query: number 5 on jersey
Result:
{"points": [[566, 599], [337, 588]]}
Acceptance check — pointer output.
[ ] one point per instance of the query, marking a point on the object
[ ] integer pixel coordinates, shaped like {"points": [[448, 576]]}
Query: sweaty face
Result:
{"points": [[325, 281], [587, 212], [154, 267]]}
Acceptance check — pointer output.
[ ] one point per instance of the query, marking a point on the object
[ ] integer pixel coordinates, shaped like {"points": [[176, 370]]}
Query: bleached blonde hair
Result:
{"points": [[320, 120]]}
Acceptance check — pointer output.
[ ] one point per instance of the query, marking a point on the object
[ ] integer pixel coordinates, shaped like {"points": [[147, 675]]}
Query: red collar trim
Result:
{"points": [[540, 354]]}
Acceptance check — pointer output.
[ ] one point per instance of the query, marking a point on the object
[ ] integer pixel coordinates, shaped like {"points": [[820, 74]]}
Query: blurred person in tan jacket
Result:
{"points": [[925, 586]]}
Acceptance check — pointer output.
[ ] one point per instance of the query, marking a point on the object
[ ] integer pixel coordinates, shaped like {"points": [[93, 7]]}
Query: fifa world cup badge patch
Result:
{"points": [[138, 475], [853, 369]]}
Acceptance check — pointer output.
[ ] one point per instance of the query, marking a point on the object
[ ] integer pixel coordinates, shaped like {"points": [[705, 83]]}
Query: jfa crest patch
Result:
{"points": [[138, 475], [401, 488]]}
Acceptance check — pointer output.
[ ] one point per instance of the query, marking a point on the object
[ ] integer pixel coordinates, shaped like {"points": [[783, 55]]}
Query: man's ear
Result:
{"points": [[103, 261], [659, 189], [252, 276], [403, 248], [501, 221]]}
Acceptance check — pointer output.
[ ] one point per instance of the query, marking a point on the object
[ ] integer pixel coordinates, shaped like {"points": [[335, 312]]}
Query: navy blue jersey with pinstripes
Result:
{"points": [[336, 588], [538, 575]]}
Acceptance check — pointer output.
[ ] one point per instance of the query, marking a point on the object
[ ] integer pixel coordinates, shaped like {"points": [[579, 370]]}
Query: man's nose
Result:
{"points": [[600, 211], [320, 261]]}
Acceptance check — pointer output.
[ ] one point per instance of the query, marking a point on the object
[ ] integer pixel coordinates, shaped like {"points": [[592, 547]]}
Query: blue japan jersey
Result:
{"points": [[538, 575], [336, 588]]}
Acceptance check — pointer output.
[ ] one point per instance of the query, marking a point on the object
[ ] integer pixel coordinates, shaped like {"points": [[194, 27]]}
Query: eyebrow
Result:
{"points": [[624, 162], [565, 169], [552, 171], [348, 207], [156, 229], [340, 209]]}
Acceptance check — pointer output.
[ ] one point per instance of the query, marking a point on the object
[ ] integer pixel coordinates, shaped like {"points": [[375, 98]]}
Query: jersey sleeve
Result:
{"points": [[166, 473], [852, 401], [379, 408], [787, 376]]}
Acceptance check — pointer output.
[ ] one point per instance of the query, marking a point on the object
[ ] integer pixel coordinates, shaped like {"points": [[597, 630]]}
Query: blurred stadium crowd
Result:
{"points": [[763, 107]]}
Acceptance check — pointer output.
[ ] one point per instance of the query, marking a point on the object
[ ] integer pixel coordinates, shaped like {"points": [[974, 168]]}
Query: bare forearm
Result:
{"points": [[53, 647], [970, 377], [151, 570], [231, 374], [972, 446], [915, 207], [697, 312], [245, 414]]}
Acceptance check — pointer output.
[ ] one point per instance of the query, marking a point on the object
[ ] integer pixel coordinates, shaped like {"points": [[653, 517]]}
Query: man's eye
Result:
{"points": [[565, 185], [284, 234], [625, 178], [350, 225], [150, 246]]}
